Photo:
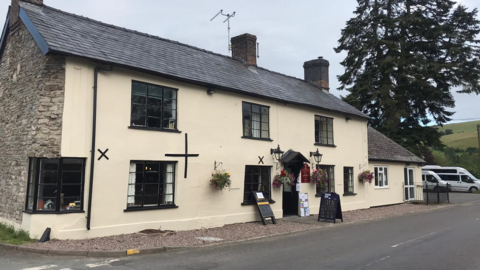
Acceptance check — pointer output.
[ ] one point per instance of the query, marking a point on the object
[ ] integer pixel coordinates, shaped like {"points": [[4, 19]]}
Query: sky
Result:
{"points": [[289, 32]]}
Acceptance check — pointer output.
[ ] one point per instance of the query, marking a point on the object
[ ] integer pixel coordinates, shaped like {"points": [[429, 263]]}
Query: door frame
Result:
{"points": [[409, 184]]}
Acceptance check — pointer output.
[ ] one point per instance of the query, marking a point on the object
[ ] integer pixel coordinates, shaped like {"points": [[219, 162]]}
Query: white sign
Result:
{"points": [[299, 185], [304, 210], [260, 195]]}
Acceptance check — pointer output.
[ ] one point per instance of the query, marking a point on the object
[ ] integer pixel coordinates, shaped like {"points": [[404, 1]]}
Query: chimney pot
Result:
{"points": [[244, 48], [15, 8], [316, 73]]}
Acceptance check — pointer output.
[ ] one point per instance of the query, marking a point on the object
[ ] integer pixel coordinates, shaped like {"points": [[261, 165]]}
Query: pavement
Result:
{"points": [[443, 239]]}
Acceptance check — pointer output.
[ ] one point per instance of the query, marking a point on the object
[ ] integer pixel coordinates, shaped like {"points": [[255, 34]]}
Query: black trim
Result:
{"points": [[258, 139], [155, 129], [158, 206], [326, 145], [52, 212], [42, 44], [320, 128], [207, 85], [349, 194], [254, 203], [6, 28], [396, 161], [146, 105], [59, 186], [135, 209], [251, 121]]}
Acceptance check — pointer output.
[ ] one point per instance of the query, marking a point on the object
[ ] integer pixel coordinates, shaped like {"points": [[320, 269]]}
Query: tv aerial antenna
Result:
{"points": [[228, 21]]}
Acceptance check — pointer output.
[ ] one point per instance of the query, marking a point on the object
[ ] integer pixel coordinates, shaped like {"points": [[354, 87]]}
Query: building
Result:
{"points": [[105, 131]]}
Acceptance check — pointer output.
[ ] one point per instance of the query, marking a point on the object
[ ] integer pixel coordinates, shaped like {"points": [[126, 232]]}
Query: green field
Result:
{"points": [[464, 135]]}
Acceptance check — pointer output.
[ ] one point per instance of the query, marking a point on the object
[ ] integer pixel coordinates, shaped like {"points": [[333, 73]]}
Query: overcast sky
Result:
{"points": [[289, 32]]}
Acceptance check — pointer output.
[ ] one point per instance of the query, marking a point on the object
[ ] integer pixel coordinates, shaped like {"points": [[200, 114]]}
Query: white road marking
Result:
{"points": [[105, 263], [41, 267], [379, 260], [415, 239]]}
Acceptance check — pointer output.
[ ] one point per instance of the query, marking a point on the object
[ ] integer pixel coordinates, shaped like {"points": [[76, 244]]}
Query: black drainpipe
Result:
{"points": [[94, 129]]}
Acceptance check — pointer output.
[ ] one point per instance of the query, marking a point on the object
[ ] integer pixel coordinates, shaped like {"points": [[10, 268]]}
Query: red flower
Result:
{"points": [[282, 173]]}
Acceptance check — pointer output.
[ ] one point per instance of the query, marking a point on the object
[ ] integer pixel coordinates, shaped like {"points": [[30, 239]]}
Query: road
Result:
{"points": [[440, 239]]}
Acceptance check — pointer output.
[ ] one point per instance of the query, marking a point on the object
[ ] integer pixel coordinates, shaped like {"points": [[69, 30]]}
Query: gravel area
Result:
{"points": [[228, 233]]}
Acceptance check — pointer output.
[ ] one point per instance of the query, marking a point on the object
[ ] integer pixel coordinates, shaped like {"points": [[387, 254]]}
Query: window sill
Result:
{"points": [[254, 203], [349, 194], [326, 145], [259, 139], [387, 187], [52, 212], [134, 209], [156, 129]]}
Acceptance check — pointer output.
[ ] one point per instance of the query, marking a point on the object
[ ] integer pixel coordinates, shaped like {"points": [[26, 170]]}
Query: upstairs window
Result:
{"points": [[323, 130], [153, 106], [381, 177], [55, 185], [255, 121]]}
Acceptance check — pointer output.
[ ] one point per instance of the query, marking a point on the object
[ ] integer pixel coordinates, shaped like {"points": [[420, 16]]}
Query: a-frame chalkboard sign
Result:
{"points": [[330, 207], [264, 208]]}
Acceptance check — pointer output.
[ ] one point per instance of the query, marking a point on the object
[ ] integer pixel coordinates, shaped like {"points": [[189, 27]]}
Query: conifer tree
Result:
{"points": [[404, 57]]}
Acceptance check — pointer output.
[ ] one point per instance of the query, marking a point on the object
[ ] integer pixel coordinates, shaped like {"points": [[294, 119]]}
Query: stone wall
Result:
{"points": [[31, 104]]}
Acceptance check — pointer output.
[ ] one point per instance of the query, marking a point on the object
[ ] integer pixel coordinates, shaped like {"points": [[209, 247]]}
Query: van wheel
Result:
{"points": [[473, 189]]}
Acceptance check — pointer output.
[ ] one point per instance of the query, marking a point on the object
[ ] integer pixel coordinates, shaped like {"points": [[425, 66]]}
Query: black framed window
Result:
{"points": [[257, 178], [323, 130], [330, 170], [381, 176], [55, 185], [255, 121], [348, 180], [151, 184], [153, 106]]}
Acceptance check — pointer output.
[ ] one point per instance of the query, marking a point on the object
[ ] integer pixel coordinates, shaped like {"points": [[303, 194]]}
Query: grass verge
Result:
{"points": [[8, 235]]}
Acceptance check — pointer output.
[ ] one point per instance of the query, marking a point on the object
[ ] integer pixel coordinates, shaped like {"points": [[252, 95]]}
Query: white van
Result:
{"points": [[449, 170], [432, 181]]}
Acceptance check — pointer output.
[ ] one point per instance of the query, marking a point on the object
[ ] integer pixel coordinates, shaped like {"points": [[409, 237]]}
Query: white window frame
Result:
{"points": [[380, 170]]}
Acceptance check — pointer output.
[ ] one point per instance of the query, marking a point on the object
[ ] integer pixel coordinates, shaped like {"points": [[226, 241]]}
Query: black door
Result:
{"points": [[290, 194]]}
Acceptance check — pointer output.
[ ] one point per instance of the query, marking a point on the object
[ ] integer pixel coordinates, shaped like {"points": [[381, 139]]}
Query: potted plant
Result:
{"points": [[220, 180], [319, 178], [365, 176], [284, 178]]}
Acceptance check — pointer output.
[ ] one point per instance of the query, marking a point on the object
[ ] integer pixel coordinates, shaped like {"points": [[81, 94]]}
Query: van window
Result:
{"points": [[443, 170], [431, 179], [466, 179], [449, 177]]}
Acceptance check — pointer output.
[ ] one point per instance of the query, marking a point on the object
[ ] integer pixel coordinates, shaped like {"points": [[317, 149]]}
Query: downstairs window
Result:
{"points": [[55, 185]]}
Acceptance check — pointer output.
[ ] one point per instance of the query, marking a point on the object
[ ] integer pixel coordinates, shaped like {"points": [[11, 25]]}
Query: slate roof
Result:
{"points": [[75, 35], [382, 148]]}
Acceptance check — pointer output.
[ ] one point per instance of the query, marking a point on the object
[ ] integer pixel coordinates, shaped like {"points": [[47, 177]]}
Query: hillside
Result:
{"points": [[464, 135]]}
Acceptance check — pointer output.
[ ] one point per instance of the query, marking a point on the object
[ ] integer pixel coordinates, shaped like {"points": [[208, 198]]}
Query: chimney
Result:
{"points": [[15, 8], [316, 73], [244, 48]]}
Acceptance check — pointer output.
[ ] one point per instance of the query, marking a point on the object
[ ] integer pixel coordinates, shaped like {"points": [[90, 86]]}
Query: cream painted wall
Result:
{"points": [[394, 193], [214, 127]]}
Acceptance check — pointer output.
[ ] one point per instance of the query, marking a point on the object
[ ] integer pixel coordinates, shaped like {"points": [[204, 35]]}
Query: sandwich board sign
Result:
{"points": [[264, 208], [330, 207]]}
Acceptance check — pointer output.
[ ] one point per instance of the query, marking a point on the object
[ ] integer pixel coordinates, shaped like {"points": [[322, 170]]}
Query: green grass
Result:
{"points": [[9, 235], [464, 135]]}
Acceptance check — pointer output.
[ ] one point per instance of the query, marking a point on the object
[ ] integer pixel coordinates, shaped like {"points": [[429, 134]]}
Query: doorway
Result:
{"points": [[409, 184], [290, 193]]}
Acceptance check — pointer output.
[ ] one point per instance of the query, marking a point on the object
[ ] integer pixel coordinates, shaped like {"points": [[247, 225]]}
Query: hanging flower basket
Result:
{"points": [[365, 176], [319, 178], [284, 178], [220, 180]]}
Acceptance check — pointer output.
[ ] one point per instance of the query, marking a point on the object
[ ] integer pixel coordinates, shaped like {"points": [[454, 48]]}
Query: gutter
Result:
{"points": [[94, 129]]}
